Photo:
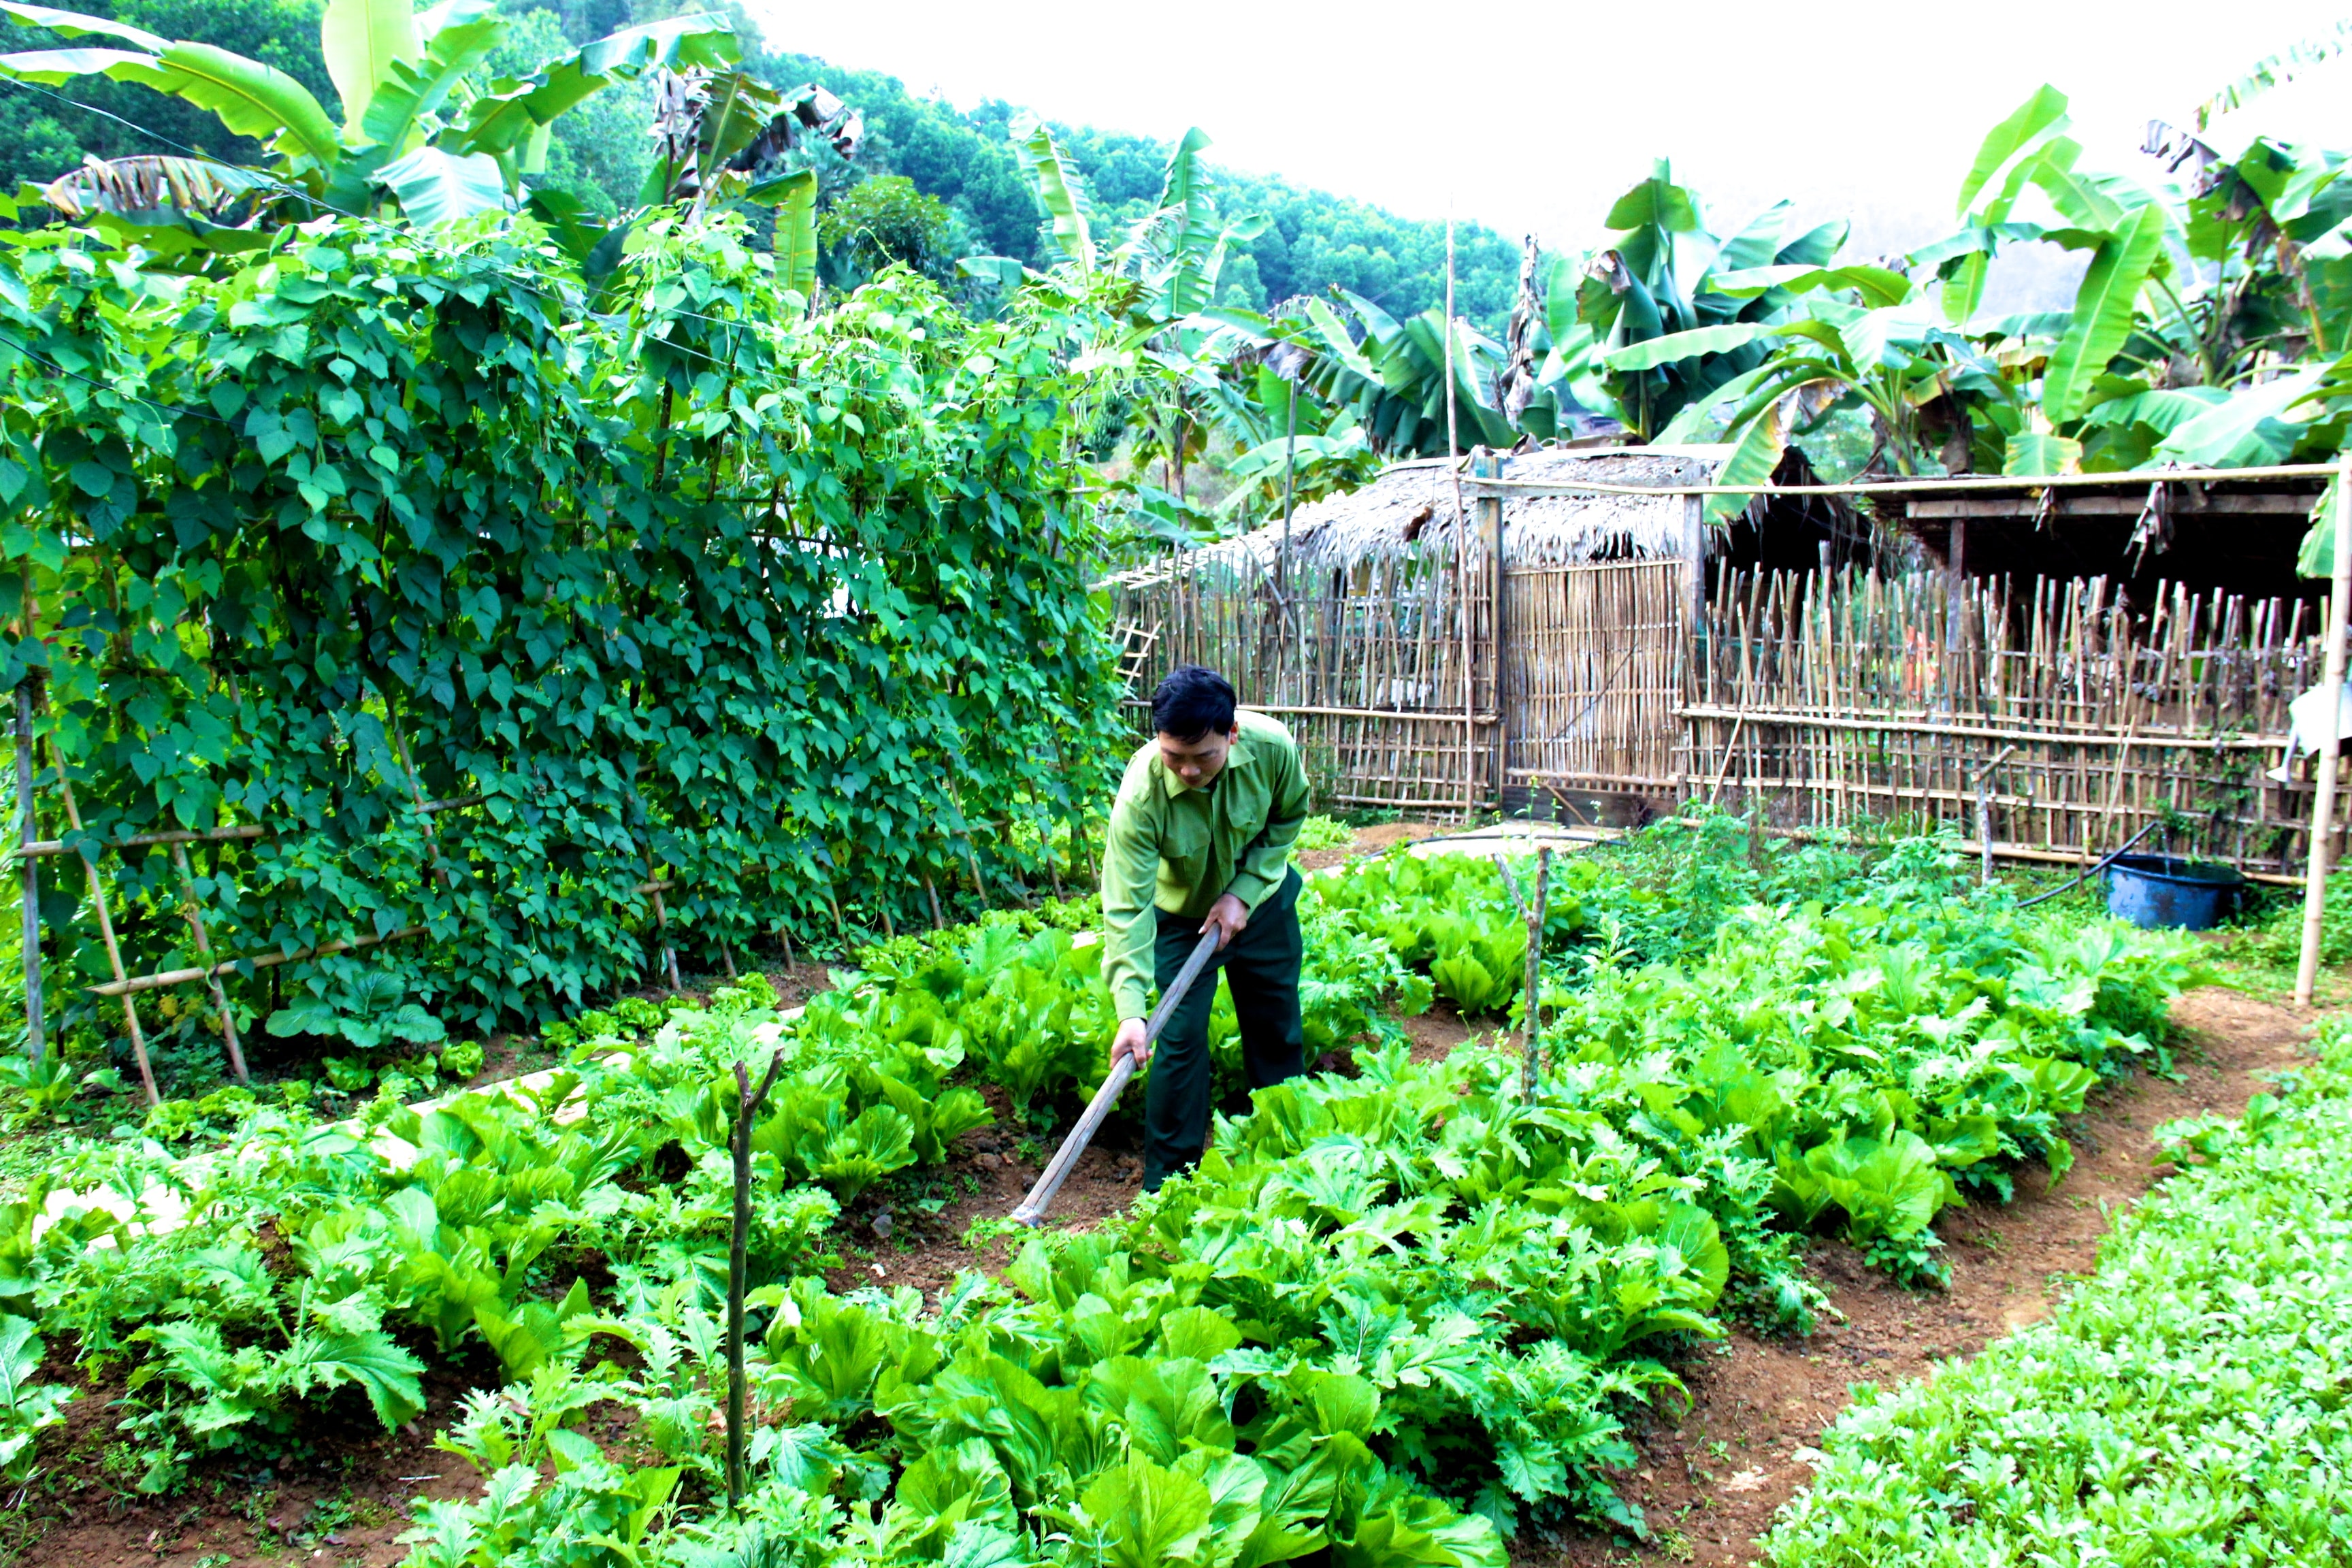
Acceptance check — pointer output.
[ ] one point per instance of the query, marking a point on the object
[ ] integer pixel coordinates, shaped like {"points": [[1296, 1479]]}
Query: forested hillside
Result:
{"points": [[932, 182]]}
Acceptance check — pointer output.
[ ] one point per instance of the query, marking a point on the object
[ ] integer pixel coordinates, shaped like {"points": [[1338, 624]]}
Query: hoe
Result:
{"points": [[1049, 1182]]}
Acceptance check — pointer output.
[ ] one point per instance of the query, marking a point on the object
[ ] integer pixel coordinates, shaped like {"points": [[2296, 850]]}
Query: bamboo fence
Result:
{"points": [[1818, 701], [1834, 701], [1593, 675], [1367, 666]]}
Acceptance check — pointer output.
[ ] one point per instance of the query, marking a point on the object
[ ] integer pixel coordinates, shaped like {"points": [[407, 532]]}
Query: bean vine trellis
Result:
{"points": [[371, 587]]}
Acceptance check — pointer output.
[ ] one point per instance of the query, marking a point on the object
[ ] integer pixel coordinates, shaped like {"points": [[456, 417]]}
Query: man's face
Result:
{"points": [[1197, 762]]}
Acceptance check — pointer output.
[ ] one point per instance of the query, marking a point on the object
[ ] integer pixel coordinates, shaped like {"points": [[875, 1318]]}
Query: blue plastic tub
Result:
{"points": [[2151, 891]]}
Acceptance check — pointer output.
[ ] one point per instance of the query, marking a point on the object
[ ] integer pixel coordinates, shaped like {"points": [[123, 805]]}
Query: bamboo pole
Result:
{"points": [[1461, 547], [106, 928], [1910, 486], [2323, 801], [26, 826], [212, 978], [52, 846], [417, 793]]}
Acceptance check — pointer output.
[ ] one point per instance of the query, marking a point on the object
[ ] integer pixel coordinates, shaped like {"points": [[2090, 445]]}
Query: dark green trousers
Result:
{"points": [[1261, 966]]}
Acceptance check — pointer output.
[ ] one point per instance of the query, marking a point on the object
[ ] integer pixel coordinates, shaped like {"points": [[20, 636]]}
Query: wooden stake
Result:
{"points": [[28, 829], [1530, 1077], [212, 978], [747, 1110], [2322, 800], [669, 954], [106, 929]]}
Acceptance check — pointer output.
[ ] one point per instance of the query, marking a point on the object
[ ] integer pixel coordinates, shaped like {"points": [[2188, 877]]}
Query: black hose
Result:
{"points": [[2094, 870]]}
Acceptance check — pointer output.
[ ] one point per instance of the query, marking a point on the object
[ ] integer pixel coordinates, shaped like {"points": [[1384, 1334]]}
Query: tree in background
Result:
{"points": [[883, 220], [599, 152], [44, 133]]}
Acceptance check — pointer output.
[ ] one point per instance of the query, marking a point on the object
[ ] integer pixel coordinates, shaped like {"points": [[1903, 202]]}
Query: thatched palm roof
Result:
{"points": [[1410, 507]]}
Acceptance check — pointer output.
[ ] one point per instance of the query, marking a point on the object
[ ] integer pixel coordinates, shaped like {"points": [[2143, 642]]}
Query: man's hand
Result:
{"points": [[1226, 918], [1130, 1041]]}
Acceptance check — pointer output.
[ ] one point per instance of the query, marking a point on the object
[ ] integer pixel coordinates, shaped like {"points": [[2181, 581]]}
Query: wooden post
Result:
{"points": [[28, 829], [1956, 574], [747, 1110], [212, 977], [1532, 1070], [1530, 1077], [1489, 464], [2323, 801], [106, 928], [1694, 551], [1289, 494], [1984, 810]]}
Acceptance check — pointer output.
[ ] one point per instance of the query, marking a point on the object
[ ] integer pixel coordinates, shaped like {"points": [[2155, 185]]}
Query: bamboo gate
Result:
{"points": [[2050, 712]]}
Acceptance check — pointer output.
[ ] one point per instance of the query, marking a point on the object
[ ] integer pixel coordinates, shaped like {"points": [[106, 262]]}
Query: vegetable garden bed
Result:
{"points": [[1398, 1314], [1713, 1479]]}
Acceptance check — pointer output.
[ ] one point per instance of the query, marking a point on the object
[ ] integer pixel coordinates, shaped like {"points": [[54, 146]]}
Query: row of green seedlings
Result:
{"points": [[1301, 1181]]}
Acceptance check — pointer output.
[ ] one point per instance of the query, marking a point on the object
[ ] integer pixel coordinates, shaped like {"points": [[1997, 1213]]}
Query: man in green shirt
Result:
{"points": [[1199, 838]]}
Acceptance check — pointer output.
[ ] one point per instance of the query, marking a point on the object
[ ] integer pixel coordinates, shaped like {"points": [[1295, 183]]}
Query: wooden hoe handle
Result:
{"points": [[1049, 1181]]}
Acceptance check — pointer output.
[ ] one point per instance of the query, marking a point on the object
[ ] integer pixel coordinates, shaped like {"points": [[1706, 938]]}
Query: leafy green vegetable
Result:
{"points": [[2182, 1406]]}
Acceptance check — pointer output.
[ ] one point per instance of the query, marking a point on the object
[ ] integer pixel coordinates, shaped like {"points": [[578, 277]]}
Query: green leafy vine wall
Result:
{"points": [[786, 612]]}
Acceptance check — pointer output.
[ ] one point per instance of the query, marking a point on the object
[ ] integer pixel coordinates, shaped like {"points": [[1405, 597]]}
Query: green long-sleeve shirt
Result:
{"points": [[1175, 848]]}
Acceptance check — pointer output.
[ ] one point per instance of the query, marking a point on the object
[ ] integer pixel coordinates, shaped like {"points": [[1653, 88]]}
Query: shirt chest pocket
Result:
{"points": [[1184, 836]]}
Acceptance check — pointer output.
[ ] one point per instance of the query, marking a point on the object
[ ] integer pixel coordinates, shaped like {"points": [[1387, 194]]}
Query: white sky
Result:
{"points": [[1534, 116]]}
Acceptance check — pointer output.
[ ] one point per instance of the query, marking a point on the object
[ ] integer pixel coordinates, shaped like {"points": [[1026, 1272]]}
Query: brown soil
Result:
{"points": [[988, 1173], [1369, 841], [1710, 1482], [1435, 1033], [346, 1502]]}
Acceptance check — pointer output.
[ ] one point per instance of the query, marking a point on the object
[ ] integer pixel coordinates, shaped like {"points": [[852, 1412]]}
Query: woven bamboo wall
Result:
{"points": [[1825, 702], [1367, 668], [1820, 700]]}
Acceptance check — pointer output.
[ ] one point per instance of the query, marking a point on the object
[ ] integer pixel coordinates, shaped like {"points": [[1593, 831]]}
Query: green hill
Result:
{"points": [[958, 157]]}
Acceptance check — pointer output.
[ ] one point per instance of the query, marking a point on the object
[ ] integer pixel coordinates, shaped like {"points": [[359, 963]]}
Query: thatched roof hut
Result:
{"points": [[1411, 509], [1417, 674]]}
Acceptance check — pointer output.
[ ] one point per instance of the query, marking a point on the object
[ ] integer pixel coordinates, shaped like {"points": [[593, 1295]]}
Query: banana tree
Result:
{"points": [[1549, 385], [1171, 263], [723, 136], [1293, 446], [1393, 378], [1657, 277], [1857, 334], [418, 132]]}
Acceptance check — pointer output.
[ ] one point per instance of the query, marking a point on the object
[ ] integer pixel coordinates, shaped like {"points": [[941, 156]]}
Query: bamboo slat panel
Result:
{"points": [[1594, 673], [1826, 700]]}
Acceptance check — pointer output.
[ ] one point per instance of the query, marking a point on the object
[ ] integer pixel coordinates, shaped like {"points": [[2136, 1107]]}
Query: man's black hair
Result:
{"points": [[1192, 701]]}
